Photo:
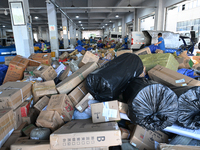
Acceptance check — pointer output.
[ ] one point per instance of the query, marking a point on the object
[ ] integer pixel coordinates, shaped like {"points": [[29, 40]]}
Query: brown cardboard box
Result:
{"points": [[31, 118], [49, 119], [106, 111], [19, 129], [6, 122], [144, 139], [41, 103], [31, 145], [64, 55], [123, 107], [171, 78], [44, 88], [78, 93], [77, 77], [12, 139], [14, 93], [118, 53], [83, 104], [46, 72], [183, 62], [8, 60], [25, 107], [125, 134], [143, 51], [17, 117], [88, 57], [65, 73], [83, 133], [31, 68], [163, 146], [62, 104], [27, 130], [16, 69], [44, 58]]}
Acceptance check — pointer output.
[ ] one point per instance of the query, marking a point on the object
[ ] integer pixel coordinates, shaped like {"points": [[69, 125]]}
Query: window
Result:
{"points": [[114, 29], [113, 35], [120, 29]]}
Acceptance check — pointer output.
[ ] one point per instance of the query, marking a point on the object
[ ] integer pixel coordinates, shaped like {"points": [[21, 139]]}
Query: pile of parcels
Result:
{"points": [[102, 100]]}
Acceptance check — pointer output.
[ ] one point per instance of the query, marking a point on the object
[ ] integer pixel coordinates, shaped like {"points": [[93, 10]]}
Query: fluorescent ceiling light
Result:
{"points": [[117, 16], [36, 17], [77, 16]]}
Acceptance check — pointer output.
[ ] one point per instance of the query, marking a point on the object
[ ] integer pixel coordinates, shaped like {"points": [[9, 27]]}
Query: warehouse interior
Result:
{"points": [[99, 75]]}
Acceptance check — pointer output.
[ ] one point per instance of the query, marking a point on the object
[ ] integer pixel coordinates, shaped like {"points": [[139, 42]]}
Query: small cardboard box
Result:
{"points": [[83, 104], [31, 118], [62, 104], [25, 106], [83, 133], [78, 93], [64, 56], [65, 73], [27, 130], [31, 145], [44, 58], [123, 108], [6, 123], [41, 103], [106, 111], [44, 88], [88, 57], [49, 119], [171, 78], [46, 72], [143, 51], [14, 93], [164, 146], [8, 60], [77, 77], [125, 133], [16, 69], [144, 139], [17, 117], [118, 53]]}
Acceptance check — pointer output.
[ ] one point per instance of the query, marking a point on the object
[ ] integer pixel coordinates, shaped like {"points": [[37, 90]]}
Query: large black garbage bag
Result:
{"points": [[150, 104], [109, 81], [189, 106]]}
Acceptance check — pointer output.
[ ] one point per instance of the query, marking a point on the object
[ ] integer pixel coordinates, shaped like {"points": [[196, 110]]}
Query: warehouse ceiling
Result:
{"points": [[90, 18]]}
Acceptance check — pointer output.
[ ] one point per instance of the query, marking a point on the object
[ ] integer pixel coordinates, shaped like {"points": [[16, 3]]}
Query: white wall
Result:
{"points": [[87, 34]]}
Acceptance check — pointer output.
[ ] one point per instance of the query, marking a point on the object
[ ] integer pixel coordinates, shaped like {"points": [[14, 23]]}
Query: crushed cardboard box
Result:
{"points": [[65, 74], [125, 133], [41, 103], [64, 56], [88, 57], [43, 58]]}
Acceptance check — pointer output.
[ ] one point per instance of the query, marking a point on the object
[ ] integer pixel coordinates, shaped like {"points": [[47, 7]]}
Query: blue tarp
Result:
{"points": [[187, 72], [3, 70], [79, 48]]}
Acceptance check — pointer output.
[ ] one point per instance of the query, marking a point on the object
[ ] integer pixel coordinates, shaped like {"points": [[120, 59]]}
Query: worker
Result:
{"points": [[91, 39], [43, 47], [125, 40], [105, 41], [78, 42], [161, 42], [84, 39]]}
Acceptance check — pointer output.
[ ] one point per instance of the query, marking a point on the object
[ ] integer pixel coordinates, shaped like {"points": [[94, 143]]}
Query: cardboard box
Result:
{"points": [[8, 60], [83, 104], [31, 68], [19, 129], [83, 133], [41, 103], [143, 74], [12, 139], [46, 72], [78, 93], [25, 106], [123, 107], [77, 77], [102, 62], [183, 62], [144, 139], [31, 145], [27, 130], [163, 146], [31, 118], [65, 74], [16, 69], [88, 57], [64, 56], [171, 78], [118, 53], [14, 93], [44, 88], [143, 51], [17, 117], [49, 119], [6, 123], [43, 58], [62, 104], [106, 111], [125, 134]]}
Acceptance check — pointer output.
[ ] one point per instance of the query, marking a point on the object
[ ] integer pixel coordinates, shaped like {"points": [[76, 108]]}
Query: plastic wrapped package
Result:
{"points": [[74, 64], [189, 106], [150, 104], [109, 81]]}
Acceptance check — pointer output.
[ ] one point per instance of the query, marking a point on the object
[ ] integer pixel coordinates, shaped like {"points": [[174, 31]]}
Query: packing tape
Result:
{"points": [[108, 113], [142, 139], [43, 88], [81, 90]]}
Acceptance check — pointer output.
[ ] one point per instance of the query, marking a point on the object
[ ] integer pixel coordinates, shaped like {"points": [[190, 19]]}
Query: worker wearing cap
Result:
{"points": [[161, 42], [43, 47]]}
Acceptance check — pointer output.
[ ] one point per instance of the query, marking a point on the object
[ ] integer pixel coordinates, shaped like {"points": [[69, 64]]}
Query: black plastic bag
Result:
{"points": [[109, 81], [150, 104], [189, 106]]}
